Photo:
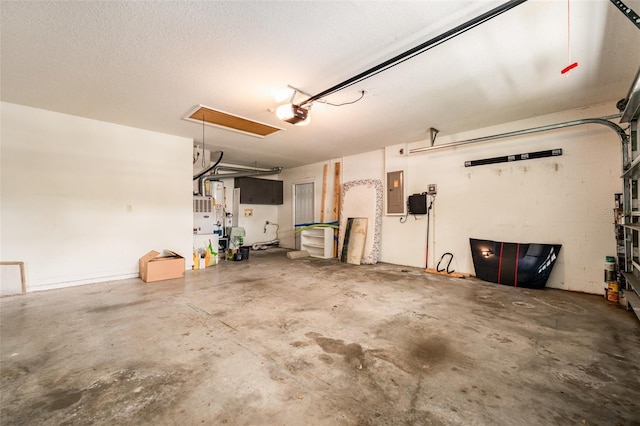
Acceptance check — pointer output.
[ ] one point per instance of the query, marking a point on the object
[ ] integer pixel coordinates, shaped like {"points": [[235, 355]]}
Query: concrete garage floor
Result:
{"points": [[272, 341]]}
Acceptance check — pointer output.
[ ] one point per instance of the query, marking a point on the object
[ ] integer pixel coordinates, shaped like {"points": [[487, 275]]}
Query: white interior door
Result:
{"points": [[303, 206]]}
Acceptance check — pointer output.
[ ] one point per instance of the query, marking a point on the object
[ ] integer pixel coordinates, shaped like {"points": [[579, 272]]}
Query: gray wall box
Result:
{"points": [[395, 192]]}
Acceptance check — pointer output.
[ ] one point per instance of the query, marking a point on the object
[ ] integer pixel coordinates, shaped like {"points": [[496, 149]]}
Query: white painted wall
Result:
{"points": [[254, 225], [67, 184], [312, 173], [369, 165], [566, 200]]}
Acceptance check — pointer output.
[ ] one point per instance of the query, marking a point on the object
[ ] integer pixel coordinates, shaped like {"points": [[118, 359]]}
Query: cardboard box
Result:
{"points": [[154, 267]]}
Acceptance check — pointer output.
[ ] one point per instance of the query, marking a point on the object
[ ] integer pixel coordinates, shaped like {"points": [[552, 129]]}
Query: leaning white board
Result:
{"points": [[357, 240], [12, 278], [363, 198]]}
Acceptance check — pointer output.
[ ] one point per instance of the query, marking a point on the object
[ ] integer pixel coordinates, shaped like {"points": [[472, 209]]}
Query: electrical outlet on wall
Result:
{"points": [[248, 212], [432, 189]]}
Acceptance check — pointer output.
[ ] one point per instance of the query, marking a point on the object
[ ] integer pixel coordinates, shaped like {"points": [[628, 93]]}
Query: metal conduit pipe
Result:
{"points": [[245, 173], [604, 121], [211, 167], [239, 168], [273, 171], [228, 167]]}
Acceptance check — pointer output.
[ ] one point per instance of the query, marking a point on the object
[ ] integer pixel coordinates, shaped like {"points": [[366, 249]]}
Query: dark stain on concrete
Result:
{"points": [[419, 356], [594, 371], [63, 399], [326, 359], [423, 356], [14, 372], [385, 276], [136, 395], [351, 352], [297, 365], [247, 281], [555, 322], [107, 308], [430, 352]]}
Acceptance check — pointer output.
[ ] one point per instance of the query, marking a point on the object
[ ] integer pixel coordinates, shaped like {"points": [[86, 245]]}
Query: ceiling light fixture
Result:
{"points": [[292, 113]]}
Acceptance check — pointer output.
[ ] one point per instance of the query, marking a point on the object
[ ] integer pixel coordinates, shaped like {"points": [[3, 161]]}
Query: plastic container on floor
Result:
{"points": [[245, 252]]}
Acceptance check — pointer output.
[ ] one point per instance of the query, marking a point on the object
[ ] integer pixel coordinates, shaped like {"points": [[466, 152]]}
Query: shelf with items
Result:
{"points": [[629, 203], [318, 242]]}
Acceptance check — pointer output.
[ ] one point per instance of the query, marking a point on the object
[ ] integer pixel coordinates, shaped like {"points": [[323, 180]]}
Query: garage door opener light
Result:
{"points": [[292, 113]]}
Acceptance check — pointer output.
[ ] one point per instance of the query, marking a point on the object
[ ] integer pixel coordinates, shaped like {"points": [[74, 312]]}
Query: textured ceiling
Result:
{"points": [[147, 64]]}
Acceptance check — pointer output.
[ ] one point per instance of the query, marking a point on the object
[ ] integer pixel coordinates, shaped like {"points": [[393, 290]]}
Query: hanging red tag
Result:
{"points": [[575, 64], [569, 68]]}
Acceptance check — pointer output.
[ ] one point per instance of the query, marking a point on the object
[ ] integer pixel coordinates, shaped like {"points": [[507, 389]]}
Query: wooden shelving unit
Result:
{"points": [[318, 242]]}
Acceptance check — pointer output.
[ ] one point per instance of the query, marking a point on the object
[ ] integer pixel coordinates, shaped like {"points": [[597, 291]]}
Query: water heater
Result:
{"points": [[215, 190]]}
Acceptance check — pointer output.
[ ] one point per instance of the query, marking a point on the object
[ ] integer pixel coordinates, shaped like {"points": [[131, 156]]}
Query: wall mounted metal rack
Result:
{"points": [[630, 286]]}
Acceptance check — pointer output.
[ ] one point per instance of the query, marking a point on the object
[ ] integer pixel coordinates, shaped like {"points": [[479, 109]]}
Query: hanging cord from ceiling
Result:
{"points": [[203, 161], [396, 60], [571, 65], [569, 31]]}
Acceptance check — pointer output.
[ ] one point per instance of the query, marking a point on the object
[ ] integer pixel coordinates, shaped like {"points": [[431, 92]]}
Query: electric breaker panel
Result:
{"points": [[395, 192]]}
